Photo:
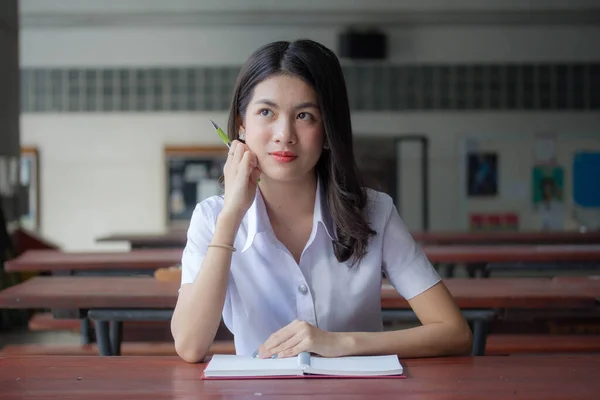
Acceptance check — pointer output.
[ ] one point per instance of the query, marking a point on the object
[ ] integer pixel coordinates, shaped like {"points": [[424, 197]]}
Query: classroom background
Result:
{"points": [[107, 90], [481, 118]]}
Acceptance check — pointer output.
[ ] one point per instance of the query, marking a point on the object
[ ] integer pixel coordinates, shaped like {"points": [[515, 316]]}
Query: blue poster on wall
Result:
{"points": [[586, 179]]}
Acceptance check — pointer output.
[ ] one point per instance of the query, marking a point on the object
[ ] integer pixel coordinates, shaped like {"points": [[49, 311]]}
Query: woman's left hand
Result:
{"points": [[301, 336]]}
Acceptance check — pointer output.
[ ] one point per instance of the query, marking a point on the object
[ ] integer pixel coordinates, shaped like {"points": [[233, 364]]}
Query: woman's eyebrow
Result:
{"points": [[267, 102], [308, 104], [270, 103]]}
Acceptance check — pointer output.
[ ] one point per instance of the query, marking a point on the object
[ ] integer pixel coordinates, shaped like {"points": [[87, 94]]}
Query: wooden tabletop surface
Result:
{"points": [[177, 238], [522, 237], [147, 292], [53, 260], [512, 253], [172, 238], [91, 378], [589, 285]]}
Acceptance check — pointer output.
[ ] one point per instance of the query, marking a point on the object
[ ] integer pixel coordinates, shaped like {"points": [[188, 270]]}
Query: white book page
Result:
{"points": [[362, 365], [232, 365]]}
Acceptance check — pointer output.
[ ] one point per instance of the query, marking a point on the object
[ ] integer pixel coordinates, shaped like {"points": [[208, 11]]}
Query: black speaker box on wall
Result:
{"points": [[363, 45]]}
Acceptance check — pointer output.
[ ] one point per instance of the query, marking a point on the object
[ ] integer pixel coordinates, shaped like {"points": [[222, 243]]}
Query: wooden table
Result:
{"points": [[51, 260], [123, 263], [170, 239], [66, 262], [512, 253], [589, 285], [146, 292], [177, 238], [107, 299], [90, 378], [484, 258], [521, 237]]}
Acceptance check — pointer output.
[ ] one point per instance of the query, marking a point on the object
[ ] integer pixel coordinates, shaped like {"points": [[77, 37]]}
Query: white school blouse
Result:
{"points": [[267, 289]]}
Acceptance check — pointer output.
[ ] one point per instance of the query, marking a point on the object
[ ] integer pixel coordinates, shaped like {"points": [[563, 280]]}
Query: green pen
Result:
{"points": [[223, 136]]}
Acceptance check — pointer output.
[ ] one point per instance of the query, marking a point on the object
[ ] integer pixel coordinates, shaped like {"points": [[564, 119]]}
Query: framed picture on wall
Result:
{"points": [[192, 174], [30, 185], [482, 170]]}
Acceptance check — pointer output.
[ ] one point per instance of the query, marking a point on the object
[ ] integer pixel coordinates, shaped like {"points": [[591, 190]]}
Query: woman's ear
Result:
{"points": [[241, 129]]}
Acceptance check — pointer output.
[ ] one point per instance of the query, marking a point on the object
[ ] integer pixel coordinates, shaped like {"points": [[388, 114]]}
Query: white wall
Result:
{"points": [[232, 45], [90, 186]]}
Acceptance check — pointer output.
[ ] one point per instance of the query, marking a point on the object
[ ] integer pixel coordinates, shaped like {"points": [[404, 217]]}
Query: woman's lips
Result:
{"points": [[283, 156]]}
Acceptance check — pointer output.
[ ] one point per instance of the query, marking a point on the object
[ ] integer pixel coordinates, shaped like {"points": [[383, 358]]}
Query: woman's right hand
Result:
{"points": [[241, 174]]}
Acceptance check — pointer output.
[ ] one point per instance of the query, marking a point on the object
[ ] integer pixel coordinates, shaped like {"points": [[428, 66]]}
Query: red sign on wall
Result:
{"points": [[487, 222]]}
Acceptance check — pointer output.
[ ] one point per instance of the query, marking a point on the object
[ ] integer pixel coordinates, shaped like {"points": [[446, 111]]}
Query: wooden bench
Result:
{"points": [[133, 331], [506, 344], [127, 349], [497, 344], [45, 321]]}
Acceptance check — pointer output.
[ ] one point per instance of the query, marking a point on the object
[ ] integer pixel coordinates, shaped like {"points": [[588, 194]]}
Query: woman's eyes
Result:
{"points": [[304, 116]]}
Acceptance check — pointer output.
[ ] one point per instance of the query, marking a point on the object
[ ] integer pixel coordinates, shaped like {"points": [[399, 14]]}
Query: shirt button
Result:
{"points": [[302, 288]]}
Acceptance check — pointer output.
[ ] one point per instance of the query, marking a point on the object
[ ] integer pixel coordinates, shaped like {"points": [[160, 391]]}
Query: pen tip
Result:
{"points": [[213, 124]]}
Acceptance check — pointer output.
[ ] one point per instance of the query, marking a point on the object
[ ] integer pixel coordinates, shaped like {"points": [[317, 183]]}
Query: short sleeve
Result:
{"points": [[199, 236], [405, 265]]}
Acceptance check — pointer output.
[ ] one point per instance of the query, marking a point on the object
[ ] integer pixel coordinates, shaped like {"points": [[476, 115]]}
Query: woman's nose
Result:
{"points": [[285, 133]]}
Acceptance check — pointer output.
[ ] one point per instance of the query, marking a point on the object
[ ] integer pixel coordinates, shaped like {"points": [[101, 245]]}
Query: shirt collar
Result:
{"points": [[258, 220], [321, 214]]}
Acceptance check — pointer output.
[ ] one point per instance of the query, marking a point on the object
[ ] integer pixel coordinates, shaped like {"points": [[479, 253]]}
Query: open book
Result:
{"points": [[223, 366]]}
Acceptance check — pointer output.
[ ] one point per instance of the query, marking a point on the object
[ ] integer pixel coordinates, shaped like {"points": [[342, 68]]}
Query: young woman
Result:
{"points": [[294, 262]]}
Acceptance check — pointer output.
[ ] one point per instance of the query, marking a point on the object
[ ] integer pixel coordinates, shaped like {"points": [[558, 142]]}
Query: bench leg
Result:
{"points": [[103, 338], [480, 330], [473, 270], [116, 334], [86, 331], [450, 270]]}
